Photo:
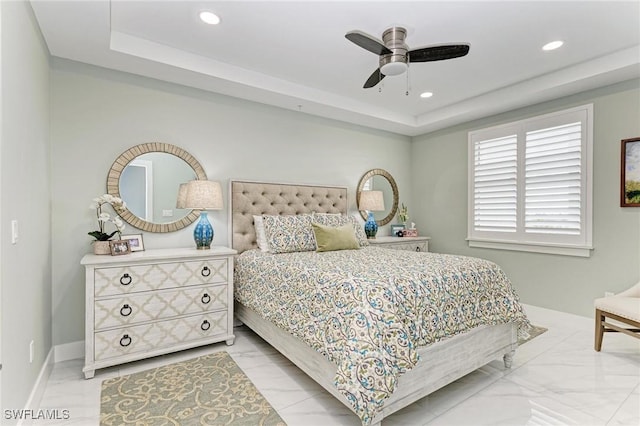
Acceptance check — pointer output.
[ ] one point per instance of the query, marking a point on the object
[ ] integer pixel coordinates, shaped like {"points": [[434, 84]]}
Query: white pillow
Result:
{"points": [[261, 235]]}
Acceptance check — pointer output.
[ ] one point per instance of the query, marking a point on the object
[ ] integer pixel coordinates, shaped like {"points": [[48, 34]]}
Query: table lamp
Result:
{"points": [[371, 201], [201, 195]]}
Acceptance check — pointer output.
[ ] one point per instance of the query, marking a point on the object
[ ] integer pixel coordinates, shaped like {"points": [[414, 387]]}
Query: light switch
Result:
{"points": [[14, 231], [167, 213]]}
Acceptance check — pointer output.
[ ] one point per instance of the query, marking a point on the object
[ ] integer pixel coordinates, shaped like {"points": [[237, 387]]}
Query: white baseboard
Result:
{"points": [[58, 353], [67, 351], [40, 385]]}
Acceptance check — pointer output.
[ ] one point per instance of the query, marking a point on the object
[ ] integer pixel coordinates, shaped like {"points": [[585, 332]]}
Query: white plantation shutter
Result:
{"points": [[495, 197], [553, 180], [530, 186]]}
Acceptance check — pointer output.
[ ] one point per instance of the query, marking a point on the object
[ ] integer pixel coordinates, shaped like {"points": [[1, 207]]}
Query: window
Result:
{"points": [[530, 184]]}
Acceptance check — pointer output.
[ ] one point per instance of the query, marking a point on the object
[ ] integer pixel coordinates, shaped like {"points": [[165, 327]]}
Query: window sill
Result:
{"points": [[564, 250]]}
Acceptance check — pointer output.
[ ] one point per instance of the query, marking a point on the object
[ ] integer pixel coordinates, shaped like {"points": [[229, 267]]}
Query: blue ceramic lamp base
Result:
{"points": [[203, 233], [370, 226]]}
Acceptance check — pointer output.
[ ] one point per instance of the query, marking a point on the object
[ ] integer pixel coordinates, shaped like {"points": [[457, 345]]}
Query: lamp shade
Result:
{"points": [[182, 196], [202, 195], [372, 201]]}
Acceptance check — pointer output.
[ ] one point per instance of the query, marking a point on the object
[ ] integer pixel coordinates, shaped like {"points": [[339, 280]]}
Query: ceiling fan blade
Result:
{"points": [[373, 79], [438, 53], [367, 42]]}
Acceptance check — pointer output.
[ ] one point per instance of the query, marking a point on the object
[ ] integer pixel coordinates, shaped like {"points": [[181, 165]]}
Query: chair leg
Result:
{"points": [[599, 329]]}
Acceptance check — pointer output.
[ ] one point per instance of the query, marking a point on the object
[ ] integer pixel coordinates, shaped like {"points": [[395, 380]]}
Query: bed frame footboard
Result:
{"points": [[441, 363]]}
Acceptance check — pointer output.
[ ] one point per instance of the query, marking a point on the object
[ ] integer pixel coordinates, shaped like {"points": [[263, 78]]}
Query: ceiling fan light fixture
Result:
{"points": [[394, 68], [395, 56], [209, 18]]}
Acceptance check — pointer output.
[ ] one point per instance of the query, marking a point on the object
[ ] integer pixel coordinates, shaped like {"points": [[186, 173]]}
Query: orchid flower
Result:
{"points": [[104, 217]]}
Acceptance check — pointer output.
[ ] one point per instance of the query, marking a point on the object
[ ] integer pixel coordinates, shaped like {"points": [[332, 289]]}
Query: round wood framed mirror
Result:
{"points": [[147, 177], [380, 180]]}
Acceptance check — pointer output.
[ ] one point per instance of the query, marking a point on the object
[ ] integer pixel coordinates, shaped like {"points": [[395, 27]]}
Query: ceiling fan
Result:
{"points": [[395, 55]]}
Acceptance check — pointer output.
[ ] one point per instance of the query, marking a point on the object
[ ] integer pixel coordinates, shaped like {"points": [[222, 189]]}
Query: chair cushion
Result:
{"points": [[631, 292], [626, 307]]}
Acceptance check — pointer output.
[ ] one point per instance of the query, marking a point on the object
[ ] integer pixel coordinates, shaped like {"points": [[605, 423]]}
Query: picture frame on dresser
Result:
{"points": [[135, 242], [395, 228], [119, 247]]}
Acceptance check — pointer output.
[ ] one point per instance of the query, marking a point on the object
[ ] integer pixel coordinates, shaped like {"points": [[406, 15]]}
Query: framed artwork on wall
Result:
{"points": [[630, 173]]}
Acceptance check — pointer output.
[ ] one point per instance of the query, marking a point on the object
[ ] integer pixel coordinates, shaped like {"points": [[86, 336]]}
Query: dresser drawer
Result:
{"points": [[160, 334], [142, 307], [138, 278], [420, 244], [417, 246]]}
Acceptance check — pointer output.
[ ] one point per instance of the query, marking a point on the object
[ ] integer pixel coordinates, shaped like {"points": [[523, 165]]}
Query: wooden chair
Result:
{"points": [[624, 308]]}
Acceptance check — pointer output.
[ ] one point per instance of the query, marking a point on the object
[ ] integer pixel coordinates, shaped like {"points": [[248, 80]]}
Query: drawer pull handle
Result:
{"points": [[205, 325], [125, 341], [126, 310], [126, 279], [205, 298], [205, 271], [418, 249]]}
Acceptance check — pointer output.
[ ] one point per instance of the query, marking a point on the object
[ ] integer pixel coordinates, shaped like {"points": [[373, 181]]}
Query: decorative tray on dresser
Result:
{"points": [[154, 302], [402, 243]]}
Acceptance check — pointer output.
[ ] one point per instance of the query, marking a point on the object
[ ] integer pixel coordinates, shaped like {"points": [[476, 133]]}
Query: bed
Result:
{"points": [[418, 368]]}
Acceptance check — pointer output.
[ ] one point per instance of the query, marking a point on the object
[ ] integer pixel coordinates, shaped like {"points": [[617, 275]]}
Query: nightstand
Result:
{"points": [[154, 302], [402, 243]]}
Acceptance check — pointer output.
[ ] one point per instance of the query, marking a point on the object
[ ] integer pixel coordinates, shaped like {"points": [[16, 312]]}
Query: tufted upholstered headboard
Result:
{"points": [[257, 198]]}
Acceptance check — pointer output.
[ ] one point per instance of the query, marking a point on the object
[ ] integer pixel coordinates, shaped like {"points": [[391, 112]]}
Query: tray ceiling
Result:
{"points": [[294, 54]]}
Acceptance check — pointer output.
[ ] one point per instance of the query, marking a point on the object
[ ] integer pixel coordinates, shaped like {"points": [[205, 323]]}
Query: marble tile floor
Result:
{"points": [[556, 379]]}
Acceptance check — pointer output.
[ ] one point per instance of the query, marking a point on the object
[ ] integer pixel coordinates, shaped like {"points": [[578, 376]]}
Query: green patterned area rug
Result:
{"points": [[209, 390], [534, 332]]}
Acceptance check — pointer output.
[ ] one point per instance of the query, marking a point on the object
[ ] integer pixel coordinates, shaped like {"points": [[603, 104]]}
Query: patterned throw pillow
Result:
{"points": [[289, 233], [330, 219]]}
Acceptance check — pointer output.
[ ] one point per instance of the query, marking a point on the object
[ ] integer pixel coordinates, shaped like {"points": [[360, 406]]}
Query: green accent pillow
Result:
{"points": [[330, 238]]}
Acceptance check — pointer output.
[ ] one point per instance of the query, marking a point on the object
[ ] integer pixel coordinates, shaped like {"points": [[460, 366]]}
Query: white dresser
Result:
{"points": [[402, 243], [157, 301]]}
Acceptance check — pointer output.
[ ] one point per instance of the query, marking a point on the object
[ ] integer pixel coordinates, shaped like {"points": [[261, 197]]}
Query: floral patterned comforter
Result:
{"points": [[369, 310]]}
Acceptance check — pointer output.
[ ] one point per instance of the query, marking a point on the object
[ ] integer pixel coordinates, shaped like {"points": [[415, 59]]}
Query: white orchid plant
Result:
{"points": [[104, 217]]}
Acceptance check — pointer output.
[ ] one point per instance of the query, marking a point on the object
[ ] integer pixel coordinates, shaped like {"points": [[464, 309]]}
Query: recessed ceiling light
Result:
{"points": [[553, 45], [426, 95], [209, 18]]}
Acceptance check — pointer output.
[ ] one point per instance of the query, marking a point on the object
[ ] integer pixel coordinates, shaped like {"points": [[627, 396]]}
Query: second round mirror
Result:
{"points": [[380, 180]]}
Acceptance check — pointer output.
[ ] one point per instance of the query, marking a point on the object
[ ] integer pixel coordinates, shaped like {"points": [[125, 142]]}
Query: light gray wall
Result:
{"points": [[439, 177], [97, 114], [25, 268]]}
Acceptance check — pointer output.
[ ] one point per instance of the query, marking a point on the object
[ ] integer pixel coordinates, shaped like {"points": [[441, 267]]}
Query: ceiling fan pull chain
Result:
{"points": [[408, 87]]}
